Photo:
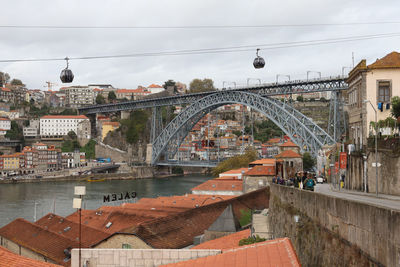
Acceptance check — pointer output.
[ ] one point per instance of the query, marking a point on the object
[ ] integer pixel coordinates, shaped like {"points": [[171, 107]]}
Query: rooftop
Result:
{"points": [[289, 144], [226, 242], [260, 171], [220, 185], [288, 154], [38, 239], [277, 252], [64, 117], [263, 161], [9, 259], [235, 171], [391, 60]]}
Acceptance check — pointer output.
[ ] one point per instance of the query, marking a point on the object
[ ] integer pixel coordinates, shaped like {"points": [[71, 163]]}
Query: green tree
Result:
{"points": [[100, 99], [15, 133], [72, 135], [308, 161], [204, 85], [89, 149], [112, 96], [4, 78], [265, 130], [300, 98], [235, 162], [134, 127], [395, 107], [70, 146], [170, 83], [17, 82]]}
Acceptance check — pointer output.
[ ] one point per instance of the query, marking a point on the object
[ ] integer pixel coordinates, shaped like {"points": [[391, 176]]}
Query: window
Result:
{"points": [[384, 91], [126, 246]]}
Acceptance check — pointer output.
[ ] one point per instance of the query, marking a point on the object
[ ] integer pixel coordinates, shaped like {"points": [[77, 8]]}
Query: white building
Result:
{"points": [[155, 88], [5, 124], [32, 130], [60, 125]]}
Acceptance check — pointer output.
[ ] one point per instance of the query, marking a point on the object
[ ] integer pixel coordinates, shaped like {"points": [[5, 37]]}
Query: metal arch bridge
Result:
{"points": [[303, 131], [267, 89]]}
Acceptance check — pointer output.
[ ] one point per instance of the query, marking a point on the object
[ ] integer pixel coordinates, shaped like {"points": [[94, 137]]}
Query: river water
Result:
{"points": [[18, 200]]}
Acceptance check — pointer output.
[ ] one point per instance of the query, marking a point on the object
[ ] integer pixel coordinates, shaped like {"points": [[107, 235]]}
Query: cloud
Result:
{"points": [[237, 66]]}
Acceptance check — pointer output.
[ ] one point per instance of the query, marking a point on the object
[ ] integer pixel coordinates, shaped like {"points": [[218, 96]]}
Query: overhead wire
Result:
{"points": [[198, 26], [229, 49]]}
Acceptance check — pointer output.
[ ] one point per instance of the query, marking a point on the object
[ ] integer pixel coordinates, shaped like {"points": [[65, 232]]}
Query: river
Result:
{"points": [[18, 200]]}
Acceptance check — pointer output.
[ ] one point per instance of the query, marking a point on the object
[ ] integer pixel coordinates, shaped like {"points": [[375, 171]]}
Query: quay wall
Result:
{"points": [[329, 231]]}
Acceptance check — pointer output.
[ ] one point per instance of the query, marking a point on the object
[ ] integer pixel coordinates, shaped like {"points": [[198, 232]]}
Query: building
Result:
{"points": [[257, 177], [288, 164], [155, 88], [78, 96], [31, 131], [73, 159], [10, 259], [6, 94], [132, 94], [11, 161], [60, 125], [108, 126], [376, 83], [289, 145], [5, 124]]}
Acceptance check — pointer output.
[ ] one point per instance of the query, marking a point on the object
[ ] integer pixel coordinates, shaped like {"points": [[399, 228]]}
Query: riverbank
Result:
{"points": [[144, 172]]}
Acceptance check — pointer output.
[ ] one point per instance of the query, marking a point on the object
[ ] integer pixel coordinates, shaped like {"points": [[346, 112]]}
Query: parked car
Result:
{"points": [[320, 180]]}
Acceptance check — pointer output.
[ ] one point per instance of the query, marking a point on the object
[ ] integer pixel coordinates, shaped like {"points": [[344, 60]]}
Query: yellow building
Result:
{"points": [[108, 126], [10, 162]]}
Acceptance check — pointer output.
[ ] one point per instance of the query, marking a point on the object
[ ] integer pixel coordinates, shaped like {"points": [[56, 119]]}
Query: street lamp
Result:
{"points": [[77, 204], [376, 144], [277, 76], [311, 71], [248, 80]]}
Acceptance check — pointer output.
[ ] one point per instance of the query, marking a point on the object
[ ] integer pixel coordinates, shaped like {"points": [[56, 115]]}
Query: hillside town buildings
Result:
{"points": [[61, 125]]}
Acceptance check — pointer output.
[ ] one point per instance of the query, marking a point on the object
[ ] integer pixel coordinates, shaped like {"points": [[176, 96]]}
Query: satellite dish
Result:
{"points": [[258, 62], [66, 75]]}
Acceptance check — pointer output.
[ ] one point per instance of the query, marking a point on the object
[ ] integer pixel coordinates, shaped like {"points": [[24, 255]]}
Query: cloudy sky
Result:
{"points": [[22, 43]]}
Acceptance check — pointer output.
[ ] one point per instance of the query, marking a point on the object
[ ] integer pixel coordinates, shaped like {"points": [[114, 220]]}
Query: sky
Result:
{"points": [[222, 68]]}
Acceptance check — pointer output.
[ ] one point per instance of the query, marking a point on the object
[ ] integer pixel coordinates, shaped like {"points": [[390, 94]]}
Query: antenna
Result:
{"points": [[352, 57]]}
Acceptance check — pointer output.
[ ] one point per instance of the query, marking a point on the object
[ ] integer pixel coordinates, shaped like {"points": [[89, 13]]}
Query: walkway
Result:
{"points": [[385, 201], [260, 225]]}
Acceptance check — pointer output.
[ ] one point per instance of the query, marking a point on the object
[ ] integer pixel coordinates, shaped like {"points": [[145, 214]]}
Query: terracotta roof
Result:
{"points": [[154, 86], [227, 178], [391, 60], [263, 161], [289, 144], [4, 119], [9, 259], [274, 140], [235, 171], [186, 201], [5, 89], [220, 185], [64, 117], [132, 91], [288, 154], [38, 239], [277, 252], [226, 242], [178, 230], [261, 170], [112, 123], [70, 229]]}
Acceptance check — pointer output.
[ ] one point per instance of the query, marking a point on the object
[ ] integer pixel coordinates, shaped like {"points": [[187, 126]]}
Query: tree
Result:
{"points": [[72, 135], [112, 96], [4, 78], [308, 161], [395, 107], [235, 162], [300, 98], [170, 83], [100, 99], [17, 82], [15, 133], [204, 85]]}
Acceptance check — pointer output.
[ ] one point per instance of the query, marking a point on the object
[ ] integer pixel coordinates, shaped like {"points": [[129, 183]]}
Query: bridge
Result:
{"points": [[302, 130]]}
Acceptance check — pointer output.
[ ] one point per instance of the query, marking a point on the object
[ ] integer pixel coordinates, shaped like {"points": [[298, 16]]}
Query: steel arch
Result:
{"points": [[303, 131]]}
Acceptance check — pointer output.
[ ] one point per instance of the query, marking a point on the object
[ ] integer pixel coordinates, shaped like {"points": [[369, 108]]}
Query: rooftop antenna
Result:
{"points": [[352, 57]]}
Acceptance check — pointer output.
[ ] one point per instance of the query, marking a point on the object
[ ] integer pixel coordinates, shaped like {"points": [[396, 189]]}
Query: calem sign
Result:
{"points": [[119, 196]]}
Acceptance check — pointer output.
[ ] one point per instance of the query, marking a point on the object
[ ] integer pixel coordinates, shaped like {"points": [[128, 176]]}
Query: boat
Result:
{"points": [[93, 179]]}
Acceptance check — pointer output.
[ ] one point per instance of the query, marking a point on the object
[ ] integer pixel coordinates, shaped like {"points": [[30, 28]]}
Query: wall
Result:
{"points": [[335, 232], [116, 155], [388, 173], [19, 250], [255, 182], [137, 257], [117, 240]]}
